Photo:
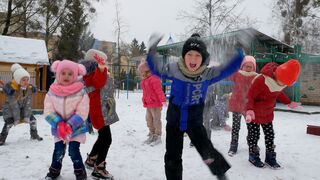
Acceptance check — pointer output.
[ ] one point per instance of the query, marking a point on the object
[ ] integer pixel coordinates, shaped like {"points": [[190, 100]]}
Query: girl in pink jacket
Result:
{"points": [[153, 99], [66, 107], [237, 102]]}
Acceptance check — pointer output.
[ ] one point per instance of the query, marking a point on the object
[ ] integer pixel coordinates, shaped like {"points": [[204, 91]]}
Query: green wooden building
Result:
{"points": [[265, 49]]}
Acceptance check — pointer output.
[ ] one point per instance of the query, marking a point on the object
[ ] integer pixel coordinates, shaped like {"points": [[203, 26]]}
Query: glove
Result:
{"points": [[294, 105], [250, 116], [99, 59], [154, 40], [64, 130]]}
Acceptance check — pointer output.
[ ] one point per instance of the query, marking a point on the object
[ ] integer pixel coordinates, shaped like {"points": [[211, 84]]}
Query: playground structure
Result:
{"points": [[265, 49]]}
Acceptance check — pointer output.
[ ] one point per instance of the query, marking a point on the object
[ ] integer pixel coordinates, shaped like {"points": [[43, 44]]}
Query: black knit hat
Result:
{"points": [[196, 44]]}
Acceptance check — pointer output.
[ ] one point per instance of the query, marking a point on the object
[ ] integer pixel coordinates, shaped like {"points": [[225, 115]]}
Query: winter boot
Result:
{"points": [[90, 161], [52, 174], [80, 174], [150, 139], [101, 172], [233, 149], [3, 138], [156, 140], [254, 158], [271, 160], [222, 177], [35, 136]]}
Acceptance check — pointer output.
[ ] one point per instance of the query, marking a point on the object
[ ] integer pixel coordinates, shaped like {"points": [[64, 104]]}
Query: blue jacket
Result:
{"points": [[188, 94]]}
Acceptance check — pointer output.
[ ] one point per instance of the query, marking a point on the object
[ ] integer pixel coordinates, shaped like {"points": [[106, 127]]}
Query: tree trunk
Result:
{"points": [[8, 19]]}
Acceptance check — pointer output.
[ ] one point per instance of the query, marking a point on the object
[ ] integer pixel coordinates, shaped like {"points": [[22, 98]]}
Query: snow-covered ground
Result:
{"points": [[129, 159]]}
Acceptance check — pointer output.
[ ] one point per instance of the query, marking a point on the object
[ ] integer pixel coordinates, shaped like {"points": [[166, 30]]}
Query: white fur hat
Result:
{"points": [[92, 54], [19, 72]]}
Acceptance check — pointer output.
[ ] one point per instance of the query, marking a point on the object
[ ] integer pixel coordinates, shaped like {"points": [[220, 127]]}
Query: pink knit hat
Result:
{"points": [[77, 69], [143, 67], [249, 59]]}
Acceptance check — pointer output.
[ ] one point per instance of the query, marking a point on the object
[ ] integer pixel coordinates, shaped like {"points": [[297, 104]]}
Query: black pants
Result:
{"points": [[102, 145], [198, 136], [254, 136]]}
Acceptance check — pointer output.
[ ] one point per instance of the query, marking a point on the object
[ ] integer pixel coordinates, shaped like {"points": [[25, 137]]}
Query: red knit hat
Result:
{"points": [[288, 72]]}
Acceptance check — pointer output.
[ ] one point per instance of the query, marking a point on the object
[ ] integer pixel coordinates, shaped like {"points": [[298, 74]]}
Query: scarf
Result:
{"points": [[191, 74], [63, 91]]}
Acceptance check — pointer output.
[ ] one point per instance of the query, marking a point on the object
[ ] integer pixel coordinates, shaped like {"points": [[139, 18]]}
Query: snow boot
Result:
{"points": [[156, 140], [81, 174], [35, 136], [222, 177], [150, 139], [233, 149], [271, 160], [100, 172], [254, 158], [52, 174], [90, 161], [3, 138]]}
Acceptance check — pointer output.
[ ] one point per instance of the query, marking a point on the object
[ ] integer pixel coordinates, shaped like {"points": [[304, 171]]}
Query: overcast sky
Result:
{"points": [[143, 17]]}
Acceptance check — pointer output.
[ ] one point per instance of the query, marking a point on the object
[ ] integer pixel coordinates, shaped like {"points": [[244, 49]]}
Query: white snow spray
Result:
{"points": [[222, 47]]}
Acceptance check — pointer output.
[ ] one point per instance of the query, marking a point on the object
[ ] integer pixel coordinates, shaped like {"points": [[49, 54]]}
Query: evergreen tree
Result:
{"points": [[134, 48], [72, 28], [142, 48]]}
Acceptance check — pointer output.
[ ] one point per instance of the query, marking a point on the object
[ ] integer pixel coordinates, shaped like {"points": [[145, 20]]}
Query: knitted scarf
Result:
{"points": [[64, 91], [188, 73]]}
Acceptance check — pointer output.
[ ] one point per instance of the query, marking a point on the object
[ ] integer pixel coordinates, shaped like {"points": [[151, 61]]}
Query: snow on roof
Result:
{"points": [[23, 50]]}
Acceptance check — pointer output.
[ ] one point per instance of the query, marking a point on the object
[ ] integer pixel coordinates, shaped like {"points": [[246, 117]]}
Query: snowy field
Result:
{"points": [[129, 159]]}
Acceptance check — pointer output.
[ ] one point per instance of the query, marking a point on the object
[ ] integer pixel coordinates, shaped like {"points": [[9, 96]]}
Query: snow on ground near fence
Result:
{"points": [[129, 159]]}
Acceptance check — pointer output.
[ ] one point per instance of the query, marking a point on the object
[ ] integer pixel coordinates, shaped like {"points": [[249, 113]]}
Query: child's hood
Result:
{"points": [[269, 69]]}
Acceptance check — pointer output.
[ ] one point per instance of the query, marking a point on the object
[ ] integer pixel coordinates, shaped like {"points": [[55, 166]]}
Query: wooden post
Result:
{"points": [[44, 78]]}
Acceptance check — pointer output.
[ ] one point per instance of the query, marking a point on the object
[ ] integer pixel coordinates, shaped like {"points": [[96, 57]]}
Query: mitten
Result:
{"points": [[250, 116], [61, 130], [68, 130], [53, 119], [294, 105], [99, 59]]}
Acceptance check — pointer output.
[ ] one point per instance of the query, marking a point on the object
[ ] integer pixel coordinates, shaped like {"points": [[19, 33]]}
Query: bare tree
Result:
{"points": [[20, 16], [299, 22], [119, 30], [212, 16]]}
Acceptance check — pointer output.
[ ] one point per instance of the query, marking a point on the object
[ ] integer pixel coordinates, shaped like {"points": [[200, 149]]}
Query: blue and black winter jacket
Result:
{"points": [[187, 95]]}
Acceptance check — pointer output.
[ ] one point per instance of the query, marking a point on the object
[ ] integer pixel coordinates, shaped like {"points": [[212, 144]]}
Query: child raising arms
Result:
{"points": [[66, 107], [190, 79]]}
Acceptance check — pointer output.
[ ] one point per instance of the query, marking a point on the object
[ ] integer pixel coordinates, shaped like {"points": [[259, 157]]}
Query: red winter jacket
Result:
{"points": [[94, 82], [153, 95], [242, 82], [263, 94]]}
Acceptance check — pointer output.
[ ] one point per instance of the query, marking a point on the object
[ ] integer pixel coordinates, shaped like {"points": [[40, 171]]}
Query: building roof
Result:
{"points": [[253, 33], [23, 50]]}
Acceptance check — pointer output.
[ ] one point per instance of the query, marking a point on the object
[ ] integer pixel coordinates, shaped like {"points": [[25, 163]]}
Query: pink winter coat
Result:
{"points": [[153, 96], [67, 106], [242, 82]]}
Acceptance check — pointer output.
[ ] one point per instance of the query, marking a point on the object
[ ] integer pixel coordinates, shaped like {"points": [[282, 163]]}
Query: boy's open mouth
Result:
{"points": [[192, 65]]}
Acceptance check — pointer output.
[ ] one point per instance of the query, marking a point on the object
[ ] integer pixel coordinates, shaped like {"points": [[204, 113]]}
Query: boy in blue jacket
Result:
{"points": [[190, 79]]}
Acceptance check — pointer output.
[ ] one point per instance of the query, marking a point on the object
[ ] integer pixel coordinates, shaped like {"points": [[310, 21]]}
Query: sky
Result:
{"points": [[143, 17], [130, 159]]}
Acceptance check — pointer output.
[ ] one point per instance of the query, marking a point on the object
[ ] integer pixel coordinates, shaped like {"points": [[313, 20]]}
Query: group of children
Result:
{"points": [[85, 89], [79, 90]]}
